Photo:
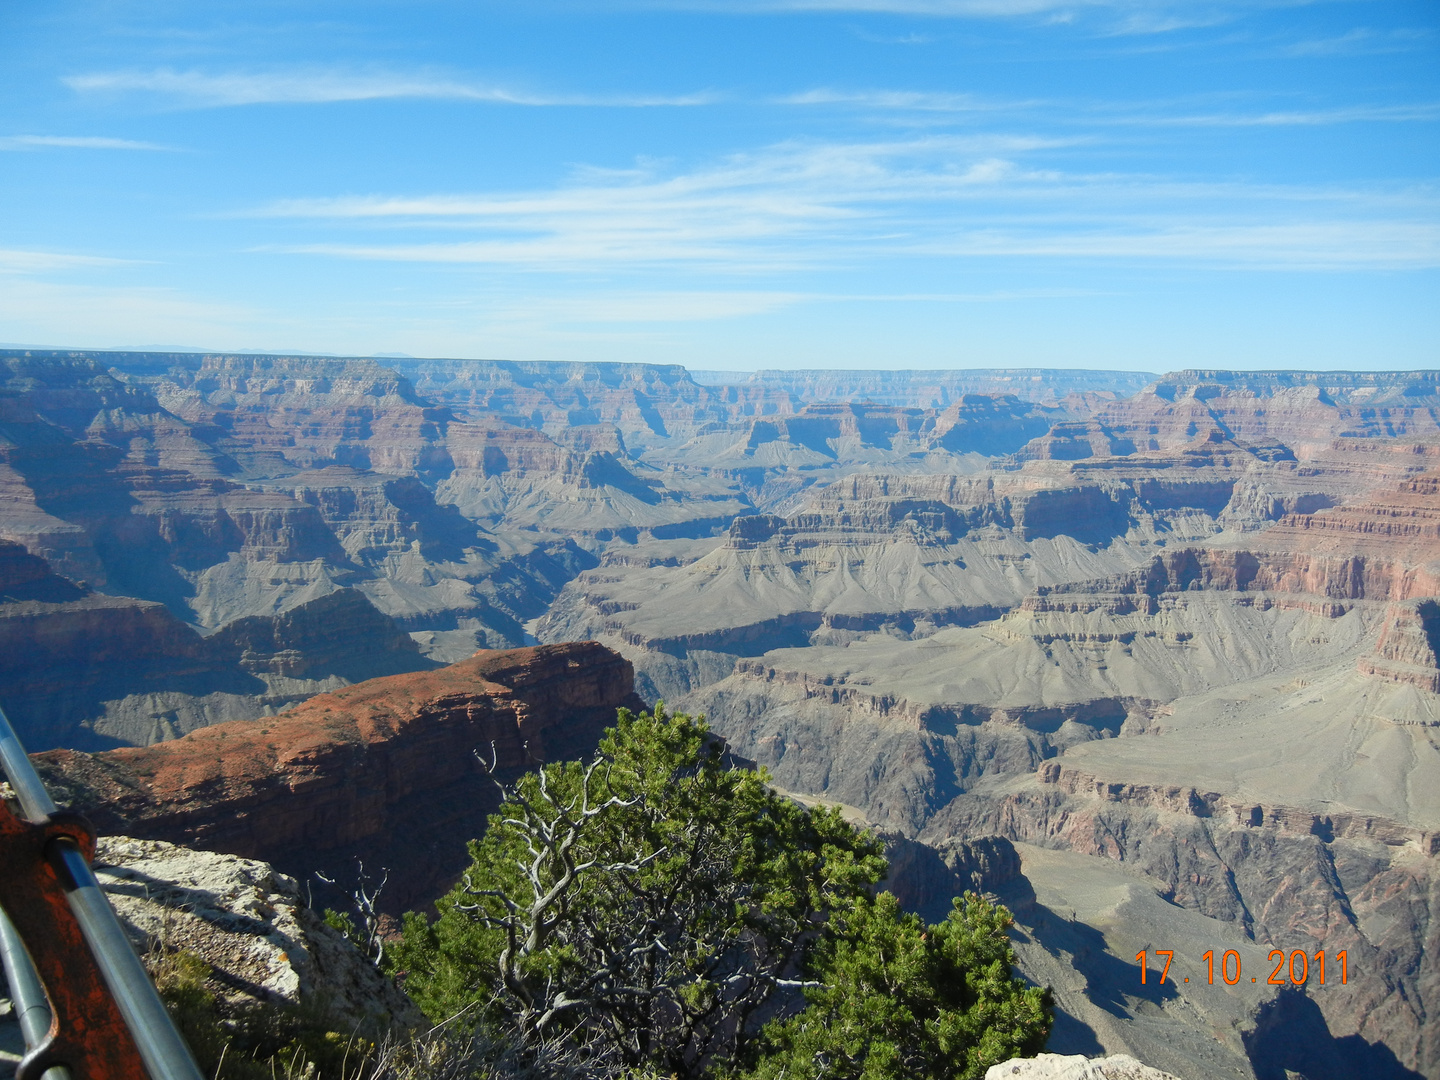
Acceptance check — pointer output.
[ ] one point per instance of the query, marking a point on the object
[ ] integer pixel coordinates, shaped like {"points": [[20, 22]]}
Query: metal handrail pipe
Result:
{"points": [[27, 995], [163, 1051], [29, 789]]}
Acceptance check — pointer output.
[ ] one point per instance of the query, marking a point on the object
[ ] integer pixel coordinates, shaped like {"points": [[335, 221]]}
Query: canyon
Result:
{"points": [[1155, 659], [399, 771]]}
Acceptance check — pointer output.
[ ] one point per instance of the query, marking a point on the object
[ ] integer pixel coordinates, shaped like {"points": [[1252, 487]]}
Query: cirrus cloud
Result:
{"points": [[821, 206], [74, 142], [320, 86]]}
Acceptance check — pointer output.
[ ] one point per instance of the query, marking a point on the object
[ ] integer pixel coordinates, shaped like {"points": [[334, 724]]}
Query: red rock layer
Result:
{"points": [[1406, 651], [1384, 548], [384, 768], [1408, 515]]}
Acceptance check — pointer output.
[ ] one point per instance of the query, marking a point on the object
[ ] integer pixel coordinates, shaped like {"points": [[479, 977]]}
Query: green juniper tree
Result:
{"points": [[644, 905], [639, 912], [893, 999]]}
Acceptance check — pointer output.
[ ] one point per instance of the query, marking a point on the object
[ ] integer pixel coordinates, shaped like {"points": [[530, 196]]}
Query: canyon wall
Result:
{"points": [[1206, 672], [385, 770], [1174, 643]]}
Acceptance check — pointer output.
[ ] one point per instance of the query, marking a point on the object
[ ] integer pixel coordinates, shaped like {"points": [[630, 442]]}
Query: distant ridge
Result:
{"points": [[904, 388], [923, 388], [937, 388]]}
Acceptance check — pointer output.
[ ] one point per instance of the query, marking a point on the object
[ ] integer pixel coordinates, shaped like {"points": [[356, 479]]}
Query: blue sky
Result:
{"points": [[729, 184]]}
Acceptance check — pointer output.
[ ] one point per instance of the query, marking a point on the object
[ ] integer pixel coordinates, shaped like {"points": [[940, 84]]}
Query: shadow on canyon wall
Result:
{"points": [[1291, 1038]]}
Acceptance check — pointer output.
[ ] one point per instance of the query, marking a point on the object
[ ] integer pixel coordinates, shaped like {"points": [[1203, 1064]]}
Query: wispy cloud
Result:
{"points": [[1137, 17], [1105, 114], [1346, 245], [32, 262], [771, 208], [825, 206], [310, 86], [900, 100], [1359, 42], [75, 142], [1360, 114]]}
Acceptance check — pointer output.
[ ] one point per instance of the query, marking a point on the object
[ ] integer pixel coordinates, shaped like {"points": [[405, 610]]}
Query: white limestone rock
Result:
{"points": [[1076, 1067], [250, 923]]}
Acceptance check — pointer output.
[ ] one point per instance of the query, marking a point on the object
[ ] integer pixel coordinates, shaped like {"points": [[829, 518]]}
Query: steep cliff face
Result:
{"points": [[1205, 675], [308, 410], [82, 668], [385, 769], [1286, 881], [1408, 650], [1176, 642], [340, 633], [100, 670], [235, 488], [651, 405], [25, 577]]}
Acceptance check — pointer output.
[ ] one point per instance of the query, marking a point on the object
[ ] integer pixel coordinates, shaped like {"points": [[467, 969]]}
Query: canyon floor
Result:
{"points": [[1171, 639]]}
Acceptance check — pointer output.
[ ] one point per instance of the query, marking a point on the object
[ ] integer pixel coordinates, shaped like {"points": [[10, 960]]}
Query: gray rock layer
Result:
{"points": [[1075, 1067]]}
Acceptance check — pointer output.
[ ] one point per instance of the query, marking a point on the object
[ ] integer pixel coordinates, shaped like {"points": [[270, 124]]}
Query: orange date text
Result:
{"points": [[1296, 967]]}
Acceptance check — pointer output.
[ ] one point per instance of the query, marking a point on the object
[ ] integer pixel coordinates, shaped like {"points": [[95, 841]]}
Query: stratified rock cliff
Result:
{"points": [[458, 497], [1176, 644], [85, 669], [385, 770], [1205, 671]]}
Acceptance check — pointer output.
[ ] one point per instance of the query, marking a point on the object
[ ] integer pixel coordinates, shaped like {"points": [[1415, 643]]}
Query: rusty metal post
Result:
{"points": [[62, 844]]}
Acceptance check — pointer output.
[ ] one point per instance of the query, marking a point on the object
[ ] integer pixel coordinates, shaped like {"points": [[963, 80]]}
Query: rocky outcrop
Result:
{"points": [[1075, 1067], [1408, 650], [925, 877], [250, 925], [25, 577], [341, 633], [386, 769], [647, 403], [1288, 881]]}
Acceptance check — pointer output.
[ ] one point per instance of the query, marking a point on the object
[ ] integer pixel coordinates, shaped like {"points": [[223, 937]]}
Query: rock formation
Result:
{"points": [[94, 670], [1075, 1067], [385, 769], [1208, 661], [938, 389], [251, 925], [1174, 644]]}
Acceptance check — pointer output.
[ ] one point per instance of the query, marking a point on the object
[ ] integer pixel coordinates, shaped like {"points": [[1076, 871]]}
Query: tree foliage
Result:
{"points": [[645, 904], [649, 907], [892, 998]]}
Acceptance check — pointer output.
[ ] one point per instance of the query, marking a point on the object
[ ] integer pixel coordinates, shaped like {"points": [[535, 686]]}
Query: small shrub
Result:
{"points": [[260, 1041]]}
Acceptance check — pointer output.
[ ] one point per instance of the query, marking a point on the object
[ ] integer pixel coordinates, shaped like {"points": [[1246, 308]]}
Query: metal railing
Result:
{"points": [[163, 1051], [27, 996]]}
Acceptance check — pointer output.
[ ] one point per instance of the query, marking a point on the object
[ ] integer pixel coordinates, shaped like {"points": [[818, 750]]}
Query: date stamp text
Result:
{"points": [[1294, 968]]}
